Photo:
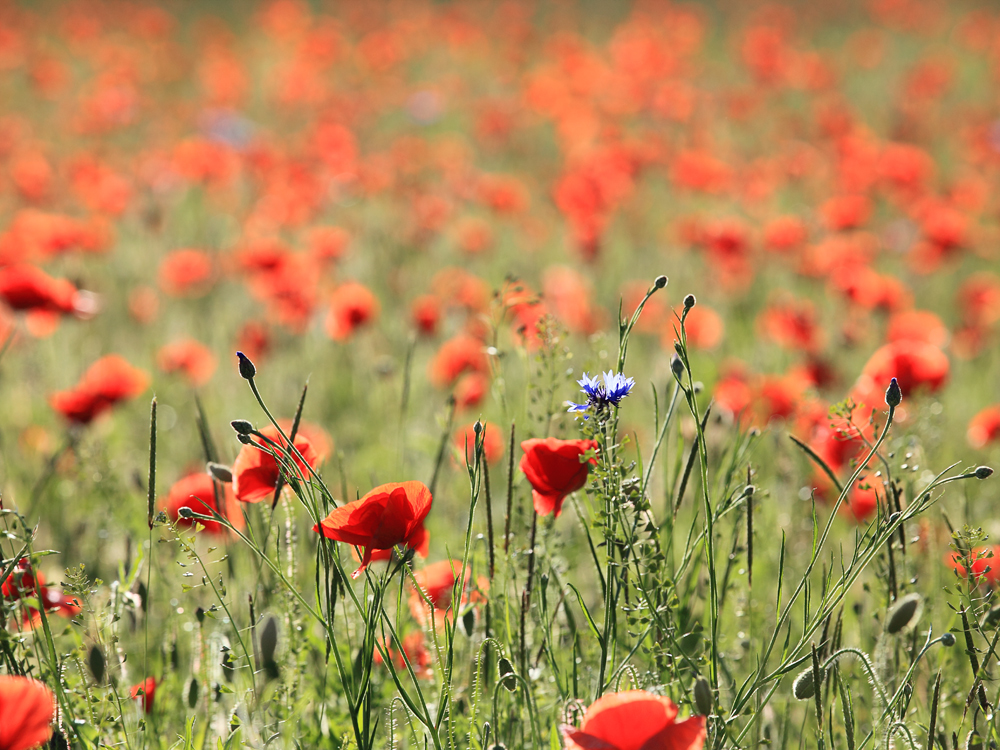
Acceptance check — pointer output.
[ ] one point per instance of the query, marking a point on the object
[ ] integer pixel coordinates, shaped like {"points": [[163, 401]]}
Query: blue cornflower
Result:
{"points": [[601, 395]]}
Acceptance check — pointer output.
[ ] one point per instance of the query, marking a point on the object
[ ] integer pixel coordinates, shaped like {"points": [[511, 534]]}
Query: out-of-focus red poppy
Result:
{"points": [[254, 340], [351, 306], [108, 381], [792, 325], [985, 565], [554, 469], [191, 358], [704, 326], [915, 365], [391, 514], [846, 212], [457, 355], [327, 244], [470, 390], [186, 273], [917, 325], [255, 472], [425, 312], [785, 234], [198, 492], [635, 720], [145, 693], [437, 582], [27, 287], [415, 649], [493, 443], [568, 296], [979, 299], [143, 304], [28, 708], [984, 428], [456, 287], [25, 582], [733, 394]]}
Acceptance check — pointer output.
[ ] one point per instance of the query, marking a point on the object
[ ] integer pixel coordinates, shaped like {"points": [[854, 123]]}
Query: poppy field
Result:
{"points": [[558, 374]]}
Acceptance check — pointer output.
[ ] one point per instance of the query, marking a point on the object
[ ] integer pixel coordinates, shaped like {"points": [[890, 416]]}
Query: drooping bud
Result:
{"points": [[220, 472], [690, 301], [904, 614], [803, 687], [660, 282], [984, 472], [247, 370], [185, 512], [948, 640], [242, 426], [676, 366], [893, 395], [991, 619], [703, 696]]}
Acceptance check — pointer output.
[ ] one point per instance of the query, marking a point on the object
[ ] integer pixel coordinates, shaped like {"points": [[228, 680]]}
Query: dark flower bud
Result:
{"points": [[703, 696], [469, 621], [242, 426], [200, 615], [245, 439], [660, 282], [185, 512], [506, 670], [269, 639], [192, 693], [984, 472], [477, 427], [228, 665], [893, 396], [678, 348], [220, 472], [948, 640], [676, 366], [803, 687], [690, 302], [247, 370], [96, 662], [905, 613]]}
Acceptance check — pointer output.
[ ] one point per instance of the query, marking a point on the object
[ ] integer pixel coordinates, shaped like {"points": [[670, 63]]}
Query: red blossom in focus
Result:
{"points": [[256, 472], [554, 469], [635, 720]]}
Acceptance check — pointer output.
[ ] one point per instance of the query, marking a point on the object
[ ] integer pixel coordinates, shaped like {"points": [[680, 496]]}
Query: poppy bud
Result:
{"points": [[983, 472], [678, 348], [245, 439], [220, 472], [228, 664], [676, 366], [477, 427], [268, 639], [96, 662], [506, 670], [192, 693], [948, 640], [906, 612], [469, 621], [690, 302], [703, 696], [199, 615], [803, 687], [185, 512], [247, 370], [893, 396], [242, 426], [660, 282]]}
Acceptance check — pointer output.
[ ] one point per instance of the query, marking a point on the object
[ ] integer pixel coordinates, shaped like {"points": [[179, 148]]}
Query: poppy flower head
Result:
{"points": [[635, 720], [437, 584], [389, 515], [27, 287], [352, 306], [190, 358], [256, 472], [107, 382], [457, 355], [984, 427], [186, 273], [916, 365], [28, 708], [554, 469], [198, 492], [981, 563]]}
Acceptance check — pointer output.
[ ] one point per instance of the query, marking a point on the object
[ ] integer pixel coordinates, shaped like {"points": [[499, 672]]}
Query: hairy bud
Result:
{"points": [[247, 370], [893, 395]]}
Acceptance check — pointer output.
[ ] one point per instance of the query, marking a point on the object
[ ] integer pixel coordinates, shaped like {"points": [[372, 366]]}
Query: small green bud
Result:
{"points": [[984, 472], [242, 426], [199, 615], [269, 639], [803, 687], [904, 614], [185, 512], [703, 700], [247, 370], [477, 427], [676, 366], [893, 395]]}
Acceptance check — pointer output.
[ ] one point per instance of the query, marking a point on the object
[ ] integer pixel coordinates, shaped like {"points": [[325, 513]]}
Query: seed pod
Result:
{"points": [[803, 687], [703, 696], [506, 670], [220, 472], [904, 614], [96, 662], [469, 621], [269, 639]]}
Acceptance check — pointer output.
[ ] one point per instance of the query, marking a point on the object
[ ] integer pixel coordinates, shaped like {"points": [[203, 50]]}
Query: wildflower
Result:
{"points": [[601, 395], [144, 692], [197, 492], [634, 720], [389, 515], [351, 306], [27, 287], [186, 273], [416, 653], [554, 469], [24, 582], [437, 582], [256, 472], [106, 382], [190, 358], [27, 707]]}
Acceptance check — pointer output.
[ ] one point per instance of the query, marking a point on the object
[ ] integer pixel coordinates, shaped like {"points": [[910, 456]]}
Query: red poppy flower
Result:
{"points": [[186, 273], [255, 472], [456, 356], [554, 469], [635, 720], [327, 244], [416, 653], [28, 708], [191, 358], [426, 314], [915, 365], [352, 306], [27, 287], [145, 692], [108, 381], [197, 492], [389, 515], [437, 581], [985, 564], [24, 582], [917, 325], [984, 427]]}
